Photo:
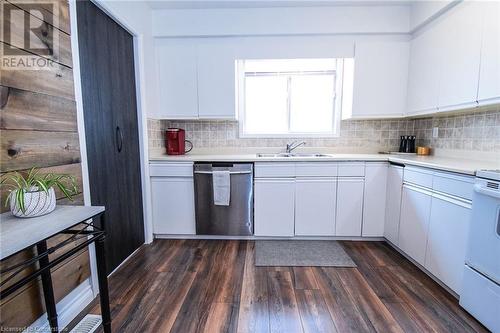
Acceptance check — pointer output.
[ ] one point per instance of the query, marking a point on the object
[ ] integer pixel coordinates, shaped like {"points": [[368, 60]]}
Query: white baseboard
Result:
{"points": [[162, 236], [124, 262], [67, 308]]}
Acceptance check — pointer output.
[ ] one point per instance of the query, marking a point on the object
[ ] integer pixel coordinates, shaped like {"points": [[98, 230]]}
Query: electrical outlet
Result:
{"points": [[435, 132]]}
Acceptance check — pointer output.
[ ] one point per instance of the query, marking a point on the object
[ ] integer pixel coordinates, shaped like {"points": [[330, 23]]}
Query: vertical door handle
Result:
{"points": [[498, 222], [119, 139]]}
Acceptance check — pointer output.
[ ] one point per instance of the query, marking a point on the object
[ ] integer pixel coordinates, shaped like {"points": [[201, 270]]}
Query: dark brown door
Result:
{"points": [[111, 128]]}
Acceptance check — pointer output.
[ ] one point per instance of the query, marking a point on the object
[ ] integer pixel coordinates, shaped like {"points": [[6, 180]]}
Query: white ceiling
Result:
{"points": [[209, 4]]}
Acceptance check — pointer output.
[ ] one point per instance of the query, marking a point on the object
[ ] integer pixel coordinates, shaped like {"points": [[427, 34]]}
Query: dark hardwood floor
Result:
{"points": [[213, 286]]}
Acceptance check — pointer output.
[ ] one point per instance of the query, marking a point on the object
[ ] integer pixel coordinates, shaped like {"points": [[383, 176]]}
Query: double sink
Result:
{"points": [[279, 155]]}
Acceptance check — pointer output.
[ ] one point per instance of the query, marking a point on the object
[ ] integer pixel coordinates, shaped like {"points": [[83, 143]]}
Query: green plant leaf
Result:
{"points": [[41, 184], [33, 180], [20, 199]]}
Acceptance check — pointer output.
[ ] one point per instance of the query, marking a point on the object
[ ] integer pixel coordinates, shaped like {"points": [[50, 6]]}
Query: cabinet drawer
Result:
{"points": [[270, 170], [316, 169], [171, 169], [457, 185], [356, 169], [480, 296], [418, 176]]}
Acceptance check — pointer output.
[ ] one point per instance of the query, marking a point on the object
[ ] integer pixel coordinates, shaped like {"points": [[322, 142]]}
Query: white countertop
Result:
{"points": [[17, 233], [462, 165]]}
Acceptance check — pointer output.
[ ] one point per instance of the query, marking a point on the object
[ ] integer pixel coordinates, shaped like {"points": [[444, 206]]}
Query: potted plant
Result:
{"points": [[33, 194]]}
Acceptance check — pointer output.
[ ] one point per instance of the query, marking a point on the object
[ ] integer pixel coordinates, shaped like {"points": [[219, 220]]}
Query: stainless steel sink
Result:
{"points": [[279, 155], [310, 155]]}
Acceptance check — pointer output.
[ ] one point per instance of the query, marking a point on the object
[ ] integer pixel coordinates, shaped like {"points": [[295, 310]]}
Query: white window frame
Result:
{"points": [[337, 112]]}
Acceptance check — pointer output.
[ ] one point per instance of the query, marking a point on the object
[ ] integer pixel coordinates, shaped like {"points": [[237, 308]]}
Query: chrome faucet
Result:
{"points": [[293, 145]]}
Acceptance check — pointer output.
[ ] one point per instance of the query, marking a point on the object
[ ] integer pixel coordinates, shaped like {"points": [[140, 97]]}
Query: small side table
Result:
{"points": [[18, 234]]}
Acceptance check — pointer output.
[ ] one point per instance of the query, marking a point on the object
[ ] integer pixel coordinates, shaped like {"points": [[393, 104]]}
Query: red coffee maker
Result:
{"points": [[175, 141]]}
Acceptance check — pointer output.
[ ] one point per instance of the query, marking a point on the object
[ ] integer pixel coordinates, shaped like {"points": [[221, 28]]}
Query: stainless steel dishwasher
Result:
{"points": [[235, 219]]}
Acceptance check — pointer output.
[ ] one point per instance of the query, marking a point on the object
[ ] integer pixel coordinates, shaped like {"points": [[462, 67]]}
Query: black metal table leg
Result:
{"points": [[48, 291], [103, 280]]}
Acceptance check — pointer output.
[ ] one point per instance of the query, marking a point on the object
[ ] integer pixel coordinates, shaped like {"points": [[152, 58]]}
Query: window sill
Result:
{"points": [[288, 135]]}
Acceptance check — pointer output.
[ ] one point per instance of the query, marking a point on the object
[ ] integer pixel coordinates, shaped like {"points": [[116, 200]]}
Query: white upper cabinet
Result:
{"points": [[423, 73], [460, 38], [446, 61], [380, 79], [489, 77], [177, 78], [216, 79], [196, 79]]}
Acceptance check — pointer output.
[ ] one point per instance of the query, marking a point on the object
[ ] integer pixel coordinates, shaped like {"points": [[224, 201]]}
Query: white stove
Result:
{"points": [[481, 281]]}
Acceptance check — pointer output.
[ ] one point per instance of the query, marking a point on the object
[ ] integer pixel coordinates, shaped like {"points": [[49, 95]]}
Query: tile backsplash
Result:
{"points": [[479, 131]]}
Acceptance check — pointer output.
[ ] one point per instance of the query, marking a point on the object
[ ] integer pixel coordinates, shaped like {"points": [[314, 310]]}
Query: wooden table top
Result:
{"points": [[17, 233]]}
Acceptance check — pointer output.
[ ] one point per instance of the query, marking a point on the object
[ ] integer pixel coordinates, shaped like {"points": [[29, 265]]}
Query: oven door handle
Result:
{"points": [[482, 190], [498, 222]]}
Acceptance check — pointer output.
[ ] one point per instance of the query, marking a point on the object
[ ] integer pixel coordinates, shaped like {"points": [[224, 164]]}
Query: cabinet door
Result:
{"points": [[216, 79], [315, 200], [414, 223], [374, 199], [274, 207], [423, 73], [376, 63], [173, 206], [460, 36], [177, 78], [447, 241], [349, 206], [489, 78], [393, 203]]}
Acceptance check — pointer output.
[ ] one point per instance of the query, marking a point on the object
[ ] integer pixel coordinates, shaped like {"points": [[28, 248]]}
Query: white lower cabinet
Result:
{"points": [[274, 207], [393, 203], [349, 206], [315, 199], [374, 199], [173, 205], [414, 222], [447, 241]]}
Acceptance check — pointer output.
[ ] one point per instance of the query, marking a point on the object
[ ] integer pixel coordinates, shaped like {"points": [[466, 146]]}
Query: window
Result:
{"points": [[289, 97]]}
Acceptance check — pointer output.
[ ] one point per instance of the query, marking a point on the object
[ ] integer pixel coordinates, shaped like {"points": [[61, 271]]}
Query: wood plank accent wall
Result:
{"points": [[38, 127]]}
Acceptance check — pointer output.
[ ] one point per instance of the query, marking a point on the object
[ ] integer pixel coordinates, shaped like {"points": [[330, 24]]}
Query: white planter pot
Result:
{"points": [[37, 203]]}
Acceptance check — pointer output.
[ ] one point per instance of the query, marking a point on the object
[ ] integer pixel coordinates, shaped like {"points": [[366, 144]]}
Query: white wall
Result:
{"points": [[282, 21], [136, 16]]}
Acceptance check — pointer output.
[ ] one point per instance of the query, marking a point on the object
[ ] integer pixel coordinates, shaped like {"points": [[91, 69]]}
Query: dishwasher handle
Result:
{"points": [[230, 172]]}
